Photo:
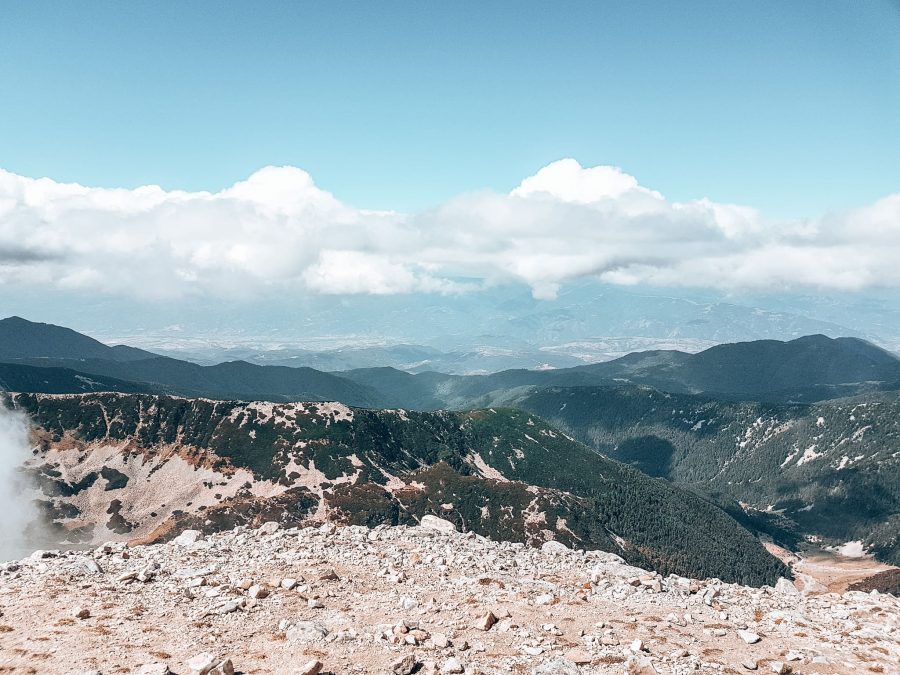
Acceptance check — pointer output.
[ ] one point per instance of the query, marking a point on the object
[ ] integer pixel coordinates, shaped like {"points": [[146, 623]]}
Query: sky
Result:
{"points": [[244, 152], [788, 107]]}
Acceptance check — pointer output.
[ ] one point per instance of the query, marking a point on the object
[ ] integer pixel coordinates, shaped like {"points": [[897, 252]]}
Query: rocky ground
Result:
{"points": [[423, 599]]}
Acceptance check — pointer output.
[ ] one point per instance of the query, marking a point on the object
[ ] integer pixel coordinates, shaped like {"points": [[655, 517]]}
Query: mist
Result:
{"points": [[16, 507]]}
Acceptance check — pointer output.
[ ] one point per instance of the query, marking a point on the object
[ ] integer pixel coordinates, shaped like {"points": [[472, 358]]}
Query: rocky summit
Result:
{"points": [[422, 599]]}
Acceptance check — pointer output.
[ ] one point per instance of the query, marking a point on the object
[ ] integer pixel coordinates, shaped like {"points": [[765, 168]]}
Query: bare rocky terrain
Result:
{"points": [[423, 599]]}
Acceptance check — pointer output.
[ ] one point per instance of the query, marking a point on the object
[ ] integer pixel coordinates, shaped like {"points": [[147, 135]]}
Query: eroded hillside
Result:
{"points": [[142, 467]]}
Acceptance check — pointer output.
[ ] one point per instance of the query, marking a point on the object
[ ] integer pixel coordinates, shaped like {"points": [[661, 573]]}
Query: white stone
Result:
{"points": [[187, 538], [435, 523], [452, 665], [153, 669], [258, 591], [555, 547], [557, 667], [485, 621], [749, 637], [404, 665], [309, 668], [786, 586], [269, 527], [202, 663], [307, 631]]}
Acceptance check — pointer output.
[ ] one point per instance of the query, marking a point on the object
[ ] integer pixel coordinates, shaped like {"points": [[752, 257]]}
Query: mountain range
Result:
{"points": [[794, 440], [500, 328], [806, 369]]}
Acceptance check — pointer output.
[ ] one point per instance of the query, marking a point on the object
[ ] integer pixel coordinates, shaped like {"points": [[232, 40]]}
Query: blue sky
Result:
{"points": [[790, 107]]}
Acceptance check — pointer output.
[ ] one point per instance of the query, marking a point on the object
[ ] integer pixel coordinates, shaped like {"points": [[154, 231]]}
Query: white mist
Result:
{"points": [[16, 508]]}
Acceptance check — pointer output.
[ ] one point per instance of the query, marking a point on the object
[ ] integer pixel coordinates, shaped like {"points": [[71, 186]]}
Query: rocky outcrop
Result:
{"points": [[431, 600]]}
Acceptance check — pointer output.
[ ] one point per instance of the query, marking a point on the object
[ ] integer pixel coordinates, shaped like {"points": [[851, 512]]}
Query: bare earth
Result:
{"points": [[401, 600], [834, 571]]}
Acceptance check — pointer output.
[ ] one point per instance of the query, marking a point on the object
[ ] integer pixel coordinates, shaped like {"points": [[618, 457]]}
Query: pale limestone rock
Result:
{"points": [[202, 664], [258, 591], [435, 523], [404, 665], [578, 657], [306, 631], [452, 665], [267, 528], [557, 667], [188, 538], [749, 637], [485, 621], [555, 547], [310, 668], [786, 587]]}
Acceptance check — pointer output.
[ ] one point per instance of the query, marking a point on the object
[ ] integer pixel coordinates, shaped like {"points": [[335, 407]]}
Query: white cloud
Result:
{"points": [[567, 181], [278, 231]]}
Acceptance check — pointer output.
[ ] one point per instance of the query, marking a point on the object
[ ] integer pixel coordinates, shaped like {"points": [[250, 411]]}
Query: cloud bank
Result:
{"points": [[278, 230]]}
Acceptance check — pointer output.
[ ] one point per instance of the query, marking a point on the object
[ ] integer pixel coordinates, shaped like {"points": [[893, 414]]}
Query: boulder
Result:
{"points": [[435, 523], [267, 528], [404, 665], [307, 631], [187, 538], [485, 621], [555, 547], [309, 668], [749, 637]]}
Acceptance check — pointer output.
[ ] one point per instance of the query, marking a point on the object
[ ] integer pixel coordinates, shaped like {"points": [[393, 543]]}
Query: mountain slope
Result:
{"points": [[147, 466], [22, 339], [24, 378], [829, 470], [768, 366]]}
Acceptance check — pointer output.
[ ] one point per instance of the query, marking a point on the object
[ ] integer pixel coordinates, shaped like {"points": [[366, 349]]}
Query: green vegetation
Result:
{"points": [[830, 469]]}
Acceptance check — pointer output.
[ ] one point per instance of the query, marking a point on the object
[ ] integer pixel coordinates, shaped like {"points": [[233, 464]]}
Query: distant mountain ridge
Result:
{"points": [[24, 343], [806, 370], [23, 339]]}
